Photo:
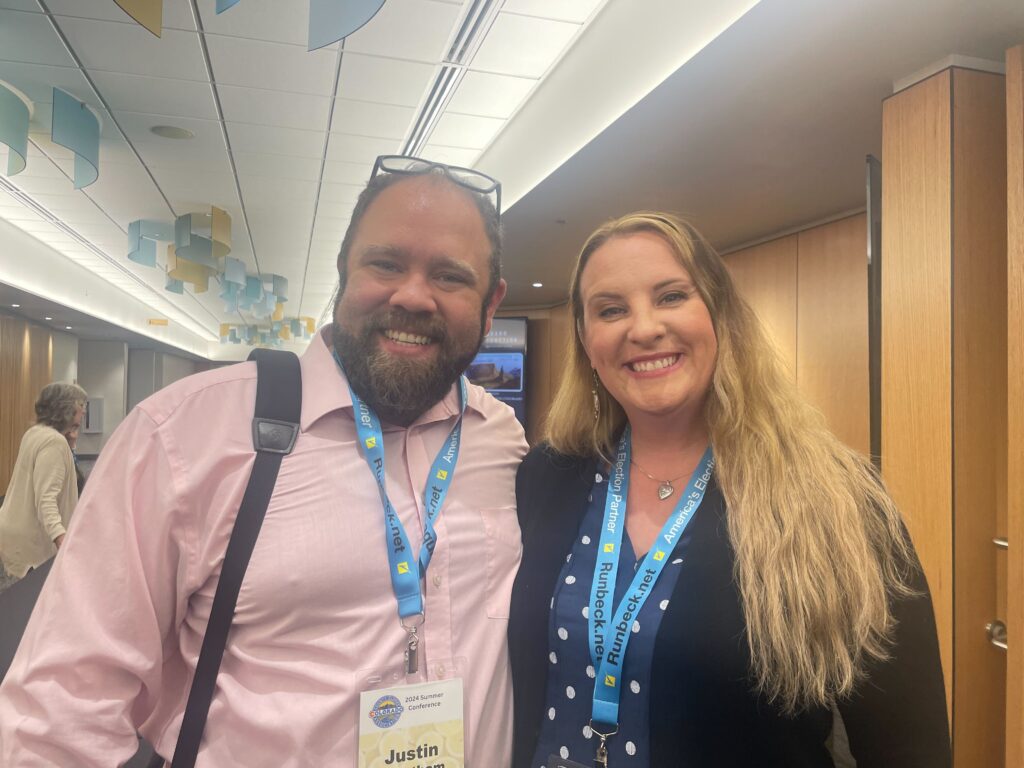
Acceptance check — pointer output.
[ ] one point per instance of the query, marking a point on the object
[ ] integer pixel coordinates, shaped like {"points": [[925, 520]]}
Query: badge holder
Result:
{"points": [[413, 720]]}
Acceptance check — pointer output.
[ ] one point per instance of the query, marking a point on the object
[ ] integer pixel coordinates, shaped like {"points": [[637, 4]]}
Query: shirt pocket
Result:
{"points": [[503, 550]]}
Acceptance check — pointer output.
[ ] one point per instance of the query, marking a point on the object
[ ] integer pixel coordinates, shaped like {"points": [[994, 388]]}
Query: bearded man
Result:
{"points": [[377, 594]]}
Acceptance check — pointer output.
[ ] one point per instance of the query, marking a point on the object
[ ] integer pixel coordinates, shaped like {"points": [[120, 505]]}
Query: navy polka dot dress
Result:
{"points": [[566, 728]]}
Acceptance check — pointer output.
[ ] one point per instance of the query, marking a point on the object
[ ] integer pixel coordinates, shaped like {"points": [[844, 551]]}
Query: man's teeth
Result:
{"points": [[407, 338], [653, 365]]}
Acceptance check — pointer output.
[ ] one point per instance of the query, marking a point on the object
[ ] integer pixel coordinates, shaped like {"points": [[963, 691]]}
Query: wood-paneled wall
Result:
{"points": [[766, 276], [944, 369], [810, 290], [547, 333], [25, 368], [1013, 557]]}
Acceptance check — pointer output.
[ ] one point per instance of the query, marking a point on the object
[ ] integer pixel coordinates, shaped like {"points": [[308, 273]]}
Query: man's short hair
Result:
{"points": [[380, 182]]}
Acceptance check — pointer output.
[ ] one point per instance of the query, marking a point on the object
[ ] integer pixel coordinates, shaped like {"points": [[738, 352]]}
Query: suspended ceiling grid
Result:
{"points": [[283, 138]]}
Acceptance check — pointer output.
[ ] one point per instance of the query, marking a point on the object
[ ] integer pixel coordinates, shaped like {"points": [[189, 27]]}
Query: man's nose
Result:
{"points": [[414, 294]]}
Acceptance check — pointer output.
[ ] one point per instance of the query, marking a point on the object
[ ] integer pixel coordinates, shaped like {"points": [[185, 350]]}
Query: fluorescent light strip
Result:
{"points": [[474, 28], [125, 278], [471, 33], [441, 92]]}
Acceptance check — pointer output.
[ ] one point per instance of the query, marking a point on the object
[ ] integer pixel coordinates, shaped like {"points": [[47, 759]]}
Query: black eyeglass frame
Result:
{"points": [[450, 171]]}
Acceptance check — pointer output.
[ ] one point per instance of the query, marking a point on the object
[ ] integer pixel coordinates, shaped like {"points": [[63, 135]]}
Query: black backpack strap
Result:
{"points": [[274, 428]]}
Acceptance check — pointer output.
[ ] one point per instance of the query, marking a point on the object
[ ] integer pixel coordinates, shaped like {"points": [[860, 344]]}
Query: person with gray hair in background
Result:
{"points": [[43, 490]]}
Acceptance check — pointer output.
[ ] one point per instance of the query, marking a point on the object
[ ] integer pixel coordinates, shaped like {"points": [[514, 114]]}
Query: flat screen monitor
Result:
{"points": [[500, 366]]}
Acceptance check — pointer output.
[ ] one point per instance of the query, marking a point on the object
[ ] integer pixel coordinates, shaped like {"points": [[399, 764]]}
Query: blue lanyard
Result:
{"points": [[405, 576], [610, 638]]}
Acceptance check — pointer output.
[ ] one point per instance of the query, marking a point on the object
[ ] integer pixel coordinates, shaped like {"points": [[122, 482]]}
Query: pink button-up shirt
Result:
{"points": [[113, 642]]}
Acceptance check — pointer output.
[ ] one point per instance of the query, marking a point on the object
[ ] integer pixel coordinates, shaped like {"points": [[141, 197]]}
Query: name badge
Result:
{"points": [[412, 726]]}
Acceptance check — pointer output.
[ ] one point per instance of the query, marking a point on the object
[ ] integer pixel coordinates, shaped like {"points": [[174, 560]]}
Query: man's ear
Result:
{"points": [[492, 304]]}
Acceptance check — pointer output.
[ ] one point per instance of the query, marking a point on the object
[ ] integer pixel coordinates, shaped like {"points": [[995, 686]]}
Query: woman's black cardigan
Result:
{"points": [[702, 708]]}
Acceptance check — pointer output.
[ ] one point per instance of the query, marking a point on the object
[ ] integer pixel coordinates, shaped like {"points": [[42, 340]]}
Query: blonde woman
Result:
{"points": [[43, 490], [707, 570]]}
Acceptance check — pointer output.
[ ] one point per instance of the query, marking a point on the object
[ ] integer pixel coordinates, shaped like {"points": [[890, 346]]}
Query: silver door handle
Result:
{"points": [[996, 633], [1000, 542]]}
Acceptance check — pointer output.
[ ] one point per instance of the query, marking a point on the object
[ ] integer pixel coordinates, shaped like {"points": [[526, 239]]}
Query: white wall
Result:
{"points": [[175, 368], [149, 371], [103, 372], [142, 375], [65, 356]]}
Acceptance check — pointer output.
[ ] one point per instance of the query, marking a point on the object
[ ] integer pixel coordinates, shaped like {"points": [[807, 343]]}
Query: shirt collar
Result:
{"points": [[325, 388]]}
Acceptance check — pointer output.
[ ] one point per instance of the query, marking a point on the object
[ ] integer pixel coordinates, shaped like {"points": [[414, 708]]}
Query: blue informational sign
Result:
{"points": [[500, 367]]}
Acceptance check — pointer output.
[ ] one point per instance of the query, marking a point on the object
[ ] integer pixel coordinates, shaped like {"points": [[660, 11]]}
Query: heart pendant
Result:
{"points": [[665, 490]]}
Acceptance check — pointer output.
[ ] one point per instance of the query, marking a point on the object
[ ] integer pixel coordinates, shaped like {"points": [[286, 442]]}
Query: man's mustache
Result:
{"points": [[398, 319]]}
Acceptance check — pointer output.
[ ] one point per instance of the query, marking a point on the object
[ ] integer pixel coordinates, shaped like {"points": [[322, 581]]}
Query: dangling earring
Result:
{"points": [[593, 390]]}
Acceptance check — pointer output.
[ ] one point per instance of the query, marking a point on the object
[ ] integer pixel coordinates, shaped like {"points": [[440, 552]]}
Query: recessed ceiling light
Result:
{"points": [[67, 327], [172, 132], [538, 285], [48, 318], [15, 305]]}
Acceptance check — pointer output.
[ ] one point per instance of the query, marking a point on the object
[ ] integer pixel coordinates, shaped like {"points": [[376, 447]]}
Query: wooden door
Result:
{"points": [[1011, 571]]}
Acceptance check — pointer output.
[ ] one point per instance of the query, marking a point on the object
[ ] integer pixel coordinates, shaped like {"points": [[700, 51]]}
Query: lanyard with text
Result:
{"points": [[610, 637], [406, 575]]}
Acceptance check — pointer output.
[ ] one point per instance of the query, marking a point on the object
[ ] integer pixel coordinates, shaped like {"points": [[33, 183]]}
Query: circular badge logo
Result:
{"points": [[386, 711]]}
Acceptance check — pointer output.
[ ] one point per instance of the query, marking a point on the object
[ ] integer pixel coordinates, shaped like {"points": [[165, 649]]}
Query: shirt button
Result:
{"points": [[440, 670], [598, 478], [437, 580]]}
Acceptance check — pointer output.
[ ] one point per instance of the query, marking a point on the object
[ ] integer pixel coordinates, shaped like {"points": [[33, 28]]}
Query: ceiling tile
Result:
{"points": [[274, 66], [76, 209], [364, 118], [36, 164], [177, 15], [467, 131], [332, 230], [43, 185], [576, 11], [487, 95], [269, 20], [21, 213], [28, 37], [335, 198], [128, 195], [207, 142], [363, 150], [267, 192], [277, 108], [503, 50], [451, 155], [388, 81], [161, 154], [407, 29], [347, 173], [207, 187], [156, 95], [37, 81], [281, 166], [247, 137], [20, 5], [131, 49]]}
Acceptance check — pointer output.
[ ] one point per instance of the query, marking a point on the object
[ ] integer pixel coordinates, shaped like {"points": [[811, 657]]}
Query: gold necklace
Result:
{"points": [[665, 487]]}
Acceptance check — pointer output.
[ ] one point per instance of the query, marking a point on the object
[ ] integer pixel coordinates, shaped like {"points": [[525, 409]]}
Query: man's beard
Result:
{"points": [[397, 388]]}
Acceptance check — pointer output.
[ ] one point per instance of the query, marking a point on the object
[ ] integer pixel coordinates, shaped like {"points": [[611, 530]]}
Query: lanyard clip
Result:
{"points": [[601, 756], [412, 661]]}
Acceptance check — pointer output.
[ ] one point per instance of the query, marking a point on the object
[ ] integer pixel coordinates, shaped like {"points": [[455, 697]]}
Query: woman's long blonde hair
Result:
{"points": [[820, 547]]}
